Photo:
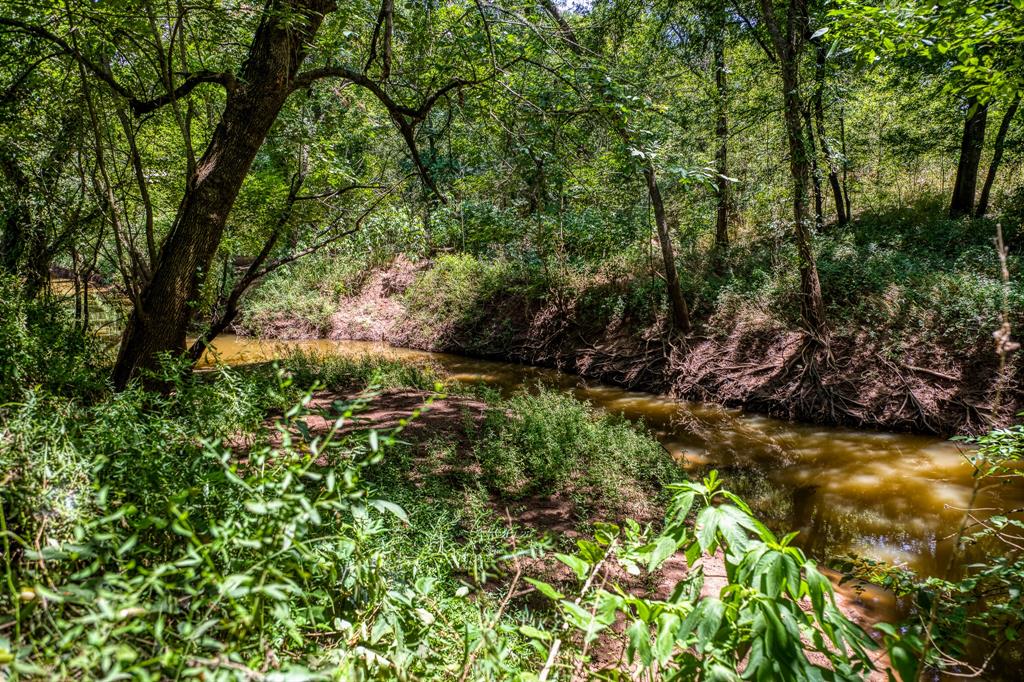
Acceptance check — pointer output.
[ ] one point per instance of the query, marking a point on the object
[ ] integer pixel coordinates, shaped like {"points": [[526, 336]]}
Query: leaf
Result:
{"points": [[665, 547], [545, 589], [639, 642], [665, 639], [903, 659], [534, 633], [578, 566], [819, 33], [712, 613], [719, 673], [385, 506], [707, 528]]}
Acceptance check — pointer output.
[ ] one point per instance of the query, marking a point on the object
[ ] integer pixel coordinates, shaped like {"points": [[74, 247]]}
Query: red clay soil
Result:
{"points": [[749, 361], [453, 419]]}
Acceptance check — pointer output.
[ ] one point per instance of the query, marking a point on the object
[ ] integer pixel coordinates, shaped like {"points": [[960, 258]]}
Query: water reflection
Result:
{"points": [[885, 496]]}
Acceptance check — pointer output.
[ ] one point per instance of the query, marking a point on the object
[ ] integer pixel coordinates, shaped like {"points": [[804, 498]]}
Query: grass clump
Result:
{"points": [[549, 443], [137, 545], [337, 372], [300, 300]]}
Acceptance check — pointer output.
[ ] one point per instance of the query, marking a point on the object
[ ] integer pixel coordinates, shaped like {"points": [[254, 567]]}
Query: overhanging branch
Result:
{"points": [[404, 116], [138, 105]]}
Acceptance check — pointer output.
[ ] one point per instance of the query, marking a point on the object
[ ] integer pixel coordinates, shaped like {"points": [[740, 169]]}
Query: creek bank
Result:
{"points": [[745, 358]]}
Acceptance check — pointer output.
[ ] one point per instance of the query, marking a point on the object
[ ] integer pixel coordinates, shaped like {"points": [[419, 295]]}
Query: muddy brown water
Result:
{"points": [[892, 497]]}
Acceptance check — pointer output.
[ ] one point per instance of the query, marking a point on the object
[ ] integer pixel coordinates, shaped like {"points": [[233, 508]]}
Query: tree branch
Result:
{"points": [[405, 117], [224, 78], [102, 72]]}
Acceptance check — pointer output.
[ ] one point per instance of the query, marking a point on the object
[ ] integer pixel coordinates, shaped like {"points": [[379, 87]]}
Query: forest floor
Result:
{"points": [[748, 359], [423, 420]]}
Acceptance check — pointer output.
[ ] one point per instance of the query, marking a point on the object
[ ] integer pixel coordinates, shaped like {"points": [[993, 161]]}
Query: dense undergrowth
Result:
{"points": [[910, 276]]}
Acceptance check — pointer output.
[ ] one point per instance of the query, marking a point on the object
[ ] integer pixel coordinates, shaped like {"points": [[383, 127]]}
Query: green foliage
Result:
{"points": [[136, 544], [303, 297], [163, 553], [753, 627], [40, 346], [548, 443], [979, 41], [338, 372]]}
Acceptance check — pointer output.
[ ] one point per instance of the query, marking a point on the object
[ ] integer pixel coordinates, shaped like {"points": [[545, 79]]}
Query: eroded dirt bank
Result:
{"points": [[747, 360]]}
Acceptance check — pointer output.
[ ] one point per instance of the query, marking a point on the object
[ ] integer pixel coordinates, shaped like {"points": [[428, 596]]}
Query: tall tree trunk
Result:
{"points": [[812, 306], [159, 323], [812, 155], [819, 117], [721, 137], [971, 143], [680, 311], [787, 39], [846, 163], [997, 156], [37, 262]]}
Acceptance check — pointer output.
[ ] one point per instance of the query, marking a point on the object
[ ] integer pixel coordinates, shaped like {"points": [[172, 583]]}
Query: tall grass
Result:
{"points": [[549, 443]]}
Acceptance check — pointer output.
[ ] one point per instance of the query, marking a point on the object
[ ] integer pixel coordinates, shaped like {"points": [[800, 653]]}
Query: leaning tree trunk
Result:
{"points": [[680, 311], [812, 306], [159, 323], [997, 156], [826, 149], [971, 142]]}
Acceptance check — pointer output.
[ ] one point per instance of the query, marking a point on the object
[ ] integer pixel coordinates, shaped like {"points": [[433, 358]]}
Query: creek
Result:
{"points": [[892, 497]]}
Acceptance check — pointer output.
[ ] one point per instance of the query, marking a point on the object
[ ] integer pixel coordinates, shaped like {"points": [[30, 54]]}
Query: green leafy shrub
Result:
{"points": [[178, 557], [41, 345], [550, 443], [753, 627]]}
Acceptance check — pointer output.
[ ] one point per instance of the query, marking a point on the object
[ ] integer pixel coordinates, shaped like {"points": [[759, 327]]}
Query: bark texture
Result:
{"points": [[787, 40], [680, 311], [997, 156], [842, 215], [971, 143], [721, 137], [159, 323]]}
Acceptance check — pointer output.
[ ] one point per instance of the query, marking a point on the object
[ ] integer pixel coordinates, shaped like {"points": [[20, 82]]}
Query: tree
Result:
{"points": [[971, 143], [614, 112], [997, 156], [255, 91], [722, 213], [818, 97], [788, 34], [977, 44]]}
